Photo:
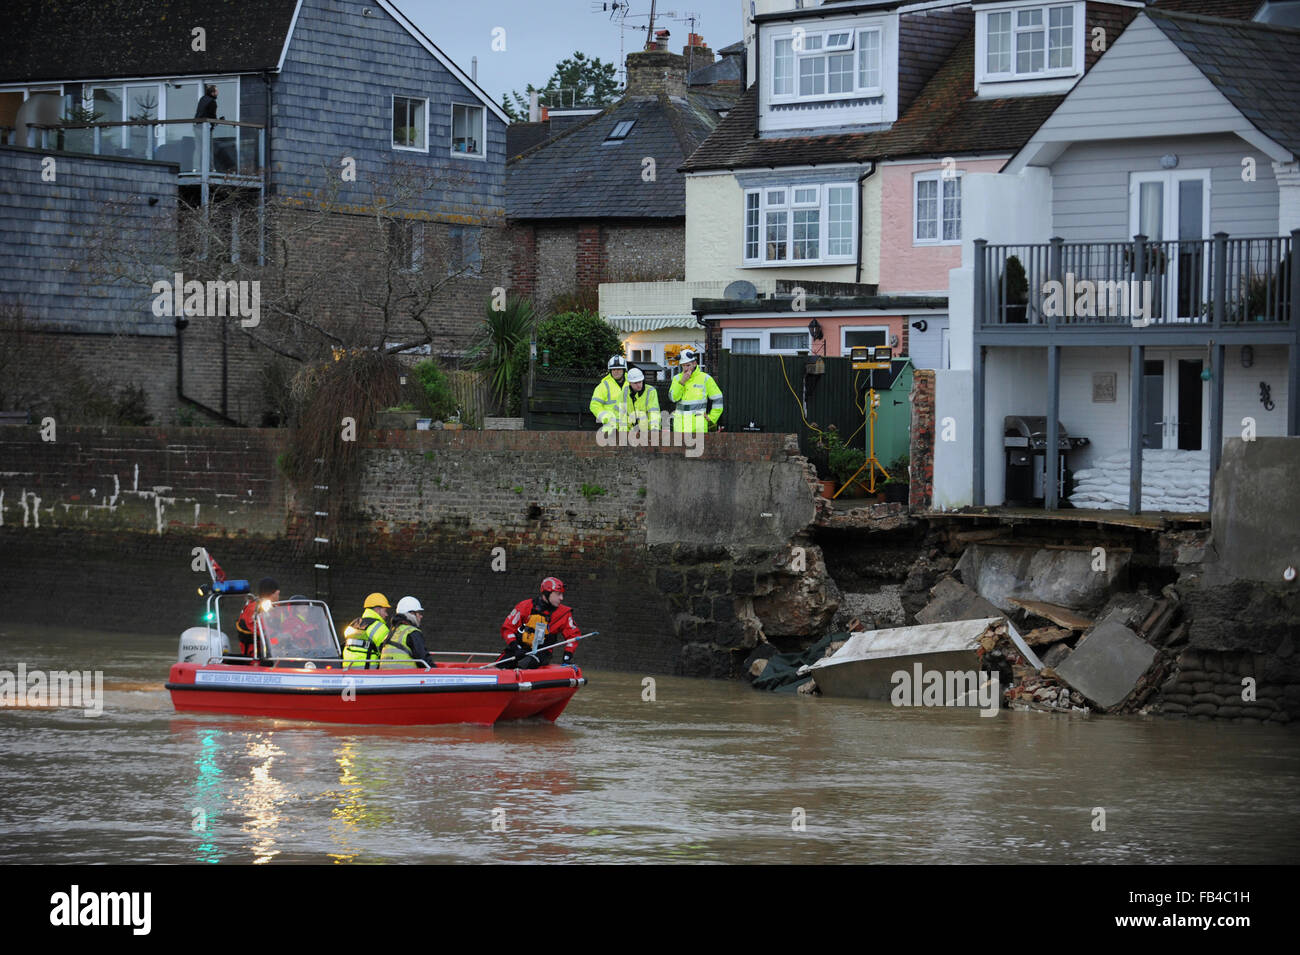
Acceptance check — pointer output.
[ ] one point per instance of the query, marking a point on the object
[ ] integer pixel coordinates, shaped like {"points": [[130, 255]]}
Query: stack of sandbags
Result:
{"points": [[1172, 480]]}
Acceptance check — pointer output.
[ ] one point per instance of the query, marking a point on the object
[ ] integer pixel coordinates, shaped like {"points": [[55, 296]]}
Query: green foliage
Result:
{"points": [[897, 469], [640, 492], [1017, 283], [500, 350], [438, 402], [578, 340], [843, 460], [577, 81], [590, 491], [517, 489], [404, 406]]}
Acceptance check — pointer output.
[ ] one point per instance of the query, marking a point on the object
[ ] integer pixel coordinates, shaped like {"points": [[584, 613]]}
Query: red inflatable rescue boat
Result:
{"points": [[297, 673]]}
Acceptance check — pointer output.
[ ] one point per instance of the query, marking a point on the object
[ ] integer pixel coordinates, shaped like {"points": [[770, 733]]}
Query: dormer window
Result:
{"points": [[1030, 41], [832, 64]]}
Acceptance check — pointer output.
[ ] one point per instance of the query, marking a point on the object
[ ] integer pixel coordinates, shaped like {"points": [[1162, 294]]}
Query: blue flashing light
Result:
{"points": [[231, 587]]}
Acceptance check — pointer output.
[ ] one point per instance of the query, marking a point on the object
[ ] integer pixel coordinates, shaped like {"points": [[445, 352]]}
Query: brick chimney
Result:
{"points": [[655, 73], [697, 51]]}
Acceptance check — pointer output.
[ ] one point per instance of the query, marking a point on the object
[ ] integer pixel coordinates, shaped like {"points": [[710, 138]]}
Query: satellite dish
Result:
{"points": [[740, 291]]}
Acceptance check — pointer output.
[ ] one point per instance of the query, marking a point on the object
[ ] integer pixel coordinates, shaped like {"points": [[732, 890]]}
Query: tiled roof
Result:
{"points": [[945, 118], [580, 175], [101, 39], [1252, 64], [1231, 9]]}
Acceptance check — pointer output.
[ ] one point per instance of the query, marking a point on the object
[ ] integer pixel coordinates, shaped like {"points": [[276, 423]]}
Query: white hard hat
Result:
{"points": [[635, 375], [409, 605], [618, 361], [688, 354]]}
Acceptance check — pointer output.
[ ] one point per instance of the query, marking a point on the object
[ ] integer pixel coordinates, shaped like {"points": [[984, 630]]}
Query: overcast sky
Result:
{"points": [[540, 33]]}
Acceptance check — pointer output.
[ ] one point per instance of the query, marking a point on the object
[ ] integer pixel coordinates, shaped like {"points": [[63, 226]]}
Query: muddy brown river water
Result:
{"points": [[706, 772]]}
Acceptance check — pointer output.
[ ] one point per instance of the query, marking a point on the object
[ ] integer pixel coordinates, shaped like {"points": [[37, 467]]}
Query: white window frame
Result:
{"points": [[392, 132], [789, 206], [940, 176], [482, 131], [1078, 29], [794, 330], [738, 333], [160, 132], [819, 37], [845, 329]]}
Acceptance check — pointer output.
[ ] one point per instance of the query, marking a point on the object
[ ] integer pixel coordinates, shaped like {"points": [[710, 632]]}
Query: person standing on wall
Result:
{"points": [[640, 404], [607, 398], [697, 399]]}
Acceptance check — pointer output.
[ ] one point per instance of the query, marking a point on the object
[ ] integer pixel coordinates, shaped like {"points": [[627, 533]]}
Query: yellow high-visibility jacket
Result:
{"points": [[607, 402], [640, 410], [691, 397]]}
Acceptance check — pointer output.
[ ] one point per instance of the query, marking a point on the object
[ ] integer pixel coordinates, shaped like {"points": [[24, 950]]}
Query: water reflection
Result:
{"points": [[262, 797], [208, 798]]}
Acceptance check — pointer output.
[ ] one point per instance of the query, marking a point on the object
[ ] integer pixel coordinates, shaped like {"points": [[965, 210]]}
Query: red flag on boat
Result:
{"points": [[217, 572]]}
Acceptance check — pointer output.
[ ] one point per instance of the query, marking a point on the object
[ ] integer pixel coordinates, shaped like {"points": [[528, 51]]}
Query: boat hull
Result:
{"points": [[395, 698]]}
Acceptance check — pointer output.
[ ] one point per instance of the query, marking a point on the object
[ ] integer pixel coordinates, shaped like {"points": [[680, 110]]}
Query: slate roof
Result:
{"points": [[945, 118], [729, 69], [101, 39], [1254, 65], [579, 175], [1230, 9]]}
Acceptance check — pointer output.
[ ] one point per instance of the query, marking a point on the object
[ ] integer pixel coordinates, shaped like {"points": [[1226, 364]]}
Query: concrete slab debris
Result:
{"points": [[952, 600], [1107, 664], [1061, 616]]}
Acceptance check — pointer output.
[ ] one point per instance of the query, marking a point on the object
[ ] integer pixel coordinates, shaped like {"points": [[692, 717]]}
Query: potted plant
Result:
{"points": [[401, 416], [1017, 291], [899, 483], [843, 461]]}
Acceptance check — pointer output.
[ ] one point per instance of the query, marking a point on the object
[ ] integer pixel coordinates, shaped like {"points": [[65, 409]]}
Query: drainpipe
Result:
{"points": [[181, 322], [871, 168]]}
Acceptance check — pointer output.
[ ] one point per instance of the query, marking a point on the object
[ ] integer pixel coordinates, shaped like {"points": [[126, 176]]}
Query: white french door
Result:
{"points": [[1175, 399], [1168, 207]]}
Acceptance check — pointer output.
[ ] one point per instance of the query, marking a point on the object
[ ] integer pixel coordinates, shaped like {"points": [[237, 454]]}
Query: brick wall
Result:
{"points": [[922, 441], [143, 480], [555, 259]]}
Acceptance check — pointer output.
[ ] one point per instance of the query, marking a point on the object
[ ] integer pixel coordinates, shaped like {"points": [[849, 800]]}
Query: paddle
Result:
{"points": [[496, 663]]}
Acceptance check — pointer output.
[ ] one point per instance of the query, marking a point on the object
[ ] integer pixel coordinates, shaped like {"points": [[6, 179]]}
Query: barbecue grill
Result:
{"points": [[1024, 438]]}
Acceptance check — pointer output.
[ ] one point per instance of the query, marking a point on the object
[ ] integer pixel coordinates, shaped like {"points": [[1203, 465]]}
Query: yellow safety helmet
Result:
{"points": [[376, 600]]}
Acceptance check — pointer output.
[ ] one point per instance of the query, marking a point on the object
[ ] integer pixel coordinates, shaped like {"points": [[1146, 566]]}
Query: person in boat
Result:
{"points": [[405, 643], [299, 636], [543, 616], [365, 636], [268, 592]]}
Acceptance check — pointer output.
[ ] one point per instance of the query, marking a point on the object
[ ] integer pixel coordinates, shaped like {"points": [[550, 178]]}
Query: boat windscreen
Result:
{"points": [[298, 631]]}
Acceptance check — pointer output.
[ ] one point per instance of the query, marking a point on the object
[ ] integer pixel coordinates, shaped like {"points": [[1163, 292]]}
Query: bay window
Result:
{"points": [[801, 224]]}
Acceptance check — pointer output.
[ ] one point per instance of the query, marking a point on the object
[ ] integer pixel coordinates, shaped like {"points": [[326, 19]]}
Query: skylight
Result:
{"points": [[621, 129]]}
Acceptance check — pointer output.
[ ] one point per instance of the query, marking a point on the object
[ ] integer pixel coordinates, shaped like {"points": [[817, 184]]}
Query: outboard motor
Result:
{"points": [[201, 644]]}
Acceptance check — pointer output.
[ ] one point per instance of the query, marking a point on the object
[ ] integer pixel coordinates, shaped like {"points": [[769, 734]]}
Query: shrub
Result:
{"points": [[439, 402], [578, 339]]}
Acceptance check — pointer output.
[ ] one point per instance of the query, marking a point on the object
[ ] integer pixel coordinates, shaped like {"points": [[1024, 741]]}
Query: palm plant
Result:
{"points": [[503, 337]]}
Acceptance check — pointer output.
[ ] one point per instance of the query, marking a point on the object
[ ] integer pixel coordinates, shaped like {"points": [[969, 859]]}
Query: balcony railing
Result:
{"points": [[1215, 282], [206, 150]]}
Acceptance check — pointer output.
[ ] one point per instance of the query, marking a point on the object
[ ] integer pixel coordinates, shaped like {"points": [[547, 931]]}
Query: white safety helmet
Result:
{"points": [[688, 355], [409, 605], [618, 361], [635, 375]]}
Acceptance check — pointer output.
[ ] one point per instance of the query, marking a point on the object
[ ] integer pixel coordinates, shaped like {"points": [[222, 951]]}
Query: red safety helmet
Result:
{"points": [[552, 584]]}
